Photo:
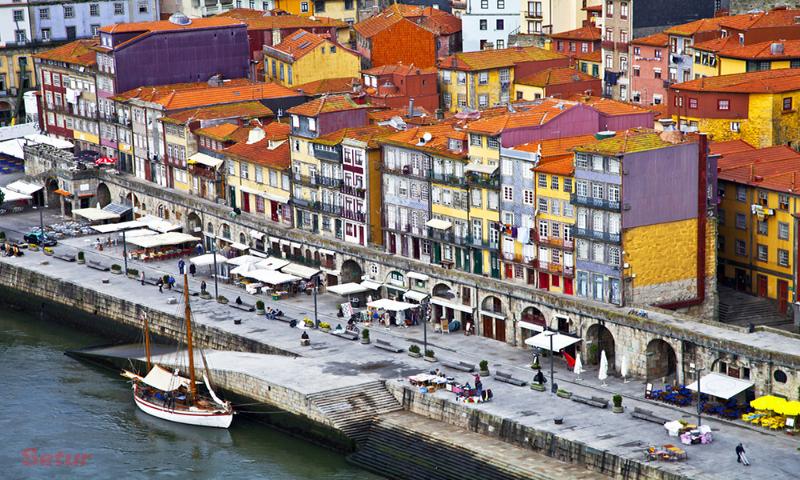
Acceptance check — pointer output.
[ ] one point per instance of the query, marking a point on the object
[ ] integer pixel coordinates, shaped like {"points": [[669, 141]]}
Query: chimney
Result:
{"points": [[439, 114], [255, 135], [410, 107]]}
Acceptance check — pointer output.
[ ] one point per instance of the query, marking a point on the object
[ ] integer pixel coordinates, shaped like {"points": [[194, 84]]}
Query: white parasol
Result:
{"points": [[624, 369], [603, 373], [578, 366]]}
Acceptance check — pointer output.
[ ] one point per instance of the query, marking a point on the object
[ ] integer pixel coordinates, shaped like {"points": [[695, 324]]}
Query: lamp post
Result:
{"points": [[553, 386], [214, 254], [316, 287], [125, 253], [426, 314], [699, 394]]}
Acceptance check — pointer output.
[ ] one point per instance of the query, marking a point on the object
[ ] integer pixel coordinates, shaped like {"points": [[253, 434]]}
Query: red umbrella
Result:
{"points": [[105, 161]]}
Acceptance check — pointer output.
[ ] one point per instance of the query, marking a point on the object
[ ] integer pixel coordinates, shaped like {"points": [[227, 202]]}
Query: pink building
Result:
{"points": [[649, 69]]}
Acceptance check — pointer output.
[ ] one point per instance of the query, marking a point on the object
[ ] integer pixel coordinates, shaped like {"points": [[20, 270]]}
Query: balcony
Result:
{"points": [[326, 208], [354, 191], [483, 181], [596, 203], [354, 216], [481, 243], [595, 235], [301, 202], [306, 180], [555, 242], [326, 181], [537, 14], [555, 268], [449, 236], [406, 171], [513, 257], [448, 179]]}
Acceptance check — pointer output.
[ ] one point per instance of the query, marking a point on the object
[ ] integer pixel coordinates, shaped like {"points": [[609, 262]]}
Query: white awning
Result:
{"points": [[530, 326], [207, 259], [371, 285], [346, 289], [480, 168], [158, 224], [251, 191], [299, 270], [244, 268], [415, 295], [272, 263], [455, 306], [391, 305], [206, 160], [487, 313], [12, 196], [296, 245], [322, 251], [163, 380], [95, 214], [118, 227], [418, 276], [720, 386], [271, 277], [560, 341], [141, 232], [244, 259], [257, 235], [438, 224], [48, 140], [162, 240], [275, 197], [239, 246], [24, 188]]}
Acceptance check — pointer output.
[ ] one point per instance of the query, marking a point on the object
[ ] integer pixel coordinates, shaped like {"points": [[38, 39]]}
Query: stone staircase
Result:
{"points": [[352, 410], [740, 308], [403, 445]]}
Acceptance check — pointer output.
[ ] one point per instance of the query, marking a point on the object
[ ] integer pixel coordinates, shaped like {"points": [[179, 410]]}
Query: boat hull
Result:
{"points": [[199, 418]]}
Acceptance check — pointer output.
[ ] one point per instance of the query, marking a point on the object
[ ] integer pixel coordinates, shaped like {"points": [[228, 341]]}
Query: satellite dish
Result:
{"points": [[179, 19], [427, 137]]}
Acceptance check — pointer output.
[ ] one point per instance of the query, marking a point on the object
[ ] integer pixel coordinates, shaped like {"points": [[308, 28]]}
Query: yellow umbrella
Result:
{"points": [[790, 409], [768, 402]]}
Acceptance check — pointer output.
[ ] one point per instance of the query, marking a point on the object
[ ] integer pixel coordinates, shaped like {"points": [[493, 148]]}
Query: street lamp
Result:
{"points": [[551, 334], [426, 314], [699, 394]]}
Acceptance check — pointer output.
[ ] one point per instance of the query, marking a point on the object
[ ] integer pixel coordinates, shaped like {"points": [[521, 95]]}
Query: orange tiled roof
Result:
{"points": [[524, 116], [369, 134], [490, 59], [328, 86], [608, 106], [730, 146], [222, 132], [440, 21], [439, 143], [242, 13], [258, 20], [421, 116], [398, 69], [630, 141], [655, 40], [260, 153], [181, 96], [297, 44], [555, 76], [166, 25], [429, 18], [769, 81], [557, 155], [377, 23], [79, 52], [716, 44], [761, 50], [326, 104], [690, 28], [772, 18], [594, 56], [773, 168], [235, 110], [588, 33]]}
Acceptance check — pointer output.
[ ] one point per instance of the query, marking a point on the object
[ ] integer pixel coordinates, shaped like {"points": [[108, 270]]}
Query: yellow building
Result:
{"points": [[555, 82], [304, 57], [258, 173], [725, 56], [303, 8], [757, 107], [589, 62], [483, 79], [344, 10], [758, 220]]}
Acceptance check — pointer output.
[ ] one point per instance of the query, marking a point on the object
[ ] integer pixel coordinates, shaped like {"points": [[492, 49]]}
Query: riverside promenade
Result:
{"points": [[333, 364]]}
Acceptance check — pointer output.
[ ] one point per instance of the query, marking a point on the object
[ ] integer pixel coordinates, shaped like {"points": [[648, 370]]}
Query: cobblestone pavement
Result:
{"points": [[332, 362]]}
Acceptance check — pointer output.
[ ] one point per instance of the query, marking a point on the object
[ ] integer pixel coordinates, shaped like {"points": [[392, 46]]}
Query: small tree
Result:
{"points": [[413, 348], [617, 399], [430, 353], [484, 365], [259, 305]]}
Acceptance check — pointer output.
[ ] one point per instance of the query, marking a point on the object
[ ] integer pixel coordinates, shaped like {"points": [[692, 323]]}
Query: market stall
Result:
{"points": [[774, 413], [95, 215], [722, 395], [559, 341], [118, 227], [665, 453], [275, 283], [161, 246]]}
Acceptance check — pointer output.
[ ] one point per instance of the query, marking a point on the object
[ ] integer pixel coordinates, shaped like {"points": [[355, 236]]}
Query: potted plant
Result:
{"points": [[308, 323], [32, 247], [365, 336], [81, 258], [221, 299], [116, 269], [413, 351], [535, 365], [539, 387], [325, 327], [133, 273], [563, 393], [430, 356], [2, 236], [205, 295], [260, 308], [47, 251], [617, 400], [483, 368]]}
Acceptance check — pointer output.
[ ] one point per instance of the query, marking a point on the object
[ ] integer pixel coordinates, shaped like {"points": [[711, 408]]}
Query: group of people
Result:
{"points": [[182, 267], [10, 250], [160, 283]]}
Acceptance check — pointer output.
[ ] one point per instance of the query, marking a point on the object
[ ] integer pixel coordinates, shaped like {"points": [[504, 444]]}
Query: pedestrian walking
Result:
{"points": [[181, 266], [199, 248], [192, 269], [141, 277], [203, 286], [160, 285], [740, 455], [170, 282]]}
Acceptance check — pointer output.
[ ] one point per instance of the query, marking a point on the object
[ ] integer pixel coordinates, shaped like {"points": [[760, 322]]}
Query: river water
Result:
{"points": [[55, 404]]}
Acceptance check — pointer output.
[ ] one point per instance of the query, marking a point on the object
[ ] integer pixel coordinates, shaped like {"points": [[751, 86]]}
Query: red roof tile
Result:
{"points": [[490, 59], [773, 168], [166, 25], [399, 69], [439, 143], [433, 20], [326, 104], [588, 33], [377, 23], [524, 116], [594, 56], [192, 95], [297, 44], [690, 28], [655, 40], [555, 76], [608, 106], [789, 49], [245, 110], [222, 132], [769, 81], [556, 154], [79, 52], [265, 152], [328, 86], [730, 146], [369, 134]]}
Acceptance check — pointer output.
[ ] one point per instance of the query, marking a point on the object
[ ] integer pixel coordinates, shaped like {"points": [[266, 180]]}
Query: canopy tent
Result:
{"points": [[272, 263], [767, 402], [418, 276], [447, 304], [480, 168], [560, 341], [48, 140], [299, 270], [271, 277], [203, 159], [118, 227], [163, 380], [142, 232], [530, 326], [371, 285], [162, 240], [158, 224], [207, 260], [244, 260], [24, 188], [391, 305], [95, 214], [238, 246], [415, 295], [12, 196], [720, 386], [438, 224], [347, 289]]}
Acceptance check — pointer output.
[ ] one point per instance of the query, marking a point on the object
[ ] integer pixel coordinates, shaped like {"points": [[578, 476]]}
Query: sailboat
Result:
{"points": [[168, 395]]}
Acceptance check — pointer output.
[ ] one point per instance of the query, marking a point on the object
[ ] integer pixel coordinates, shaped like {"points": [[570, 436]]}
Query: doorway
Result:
{"points": [[741, 279], [783, 294], [761, 283]]}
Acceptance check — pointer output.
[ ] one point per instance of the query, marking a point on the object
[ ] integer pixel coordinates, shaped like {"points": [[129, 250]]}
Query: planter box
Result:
{"points": [[430, 359], [326, 330], [205, 296], [116, 272], [365, 341], [484, 373], [537, 387], [414, 354], [619, 409], [261, 312], [563, 394], [222, 301]]}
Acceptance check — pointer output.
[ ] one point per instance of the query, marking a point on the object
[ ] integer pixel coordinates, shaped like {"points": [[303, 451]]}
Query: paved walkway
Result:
{"points": [[337, 361]]}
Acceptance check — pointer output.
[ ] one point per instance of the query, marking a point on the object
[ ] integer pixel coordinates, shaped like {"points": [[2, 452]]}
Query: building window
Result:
{"points": [[483, 100], [119, 9], [741, 221], [19, 15], [762, 227], [483, 24], [763, 253], [721, 244], [542, 180], [46, 35], [527, 197], [779, 376], [741, 193], [20, 36], [499, 24], [484, 4], [692, 103], [723, 104], [501, 44], [462, 78], [783, 201], [787, 104], [501, 4], [568, 185], [740, 248], [623, 10], [44, 14], [493, 143], [613, 256], [475, 140], [304, 7], [508, 193], [69, 11], [783, 257], [542, 205], [94, 10], [736, 127], [95, 30], [783, 230], [763, 198]]}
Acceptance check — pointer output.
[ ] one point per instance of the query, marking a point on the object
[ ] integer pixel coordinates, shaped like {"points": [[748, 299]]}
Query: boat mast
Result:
{"points": [[188, 315], [146, 339]]}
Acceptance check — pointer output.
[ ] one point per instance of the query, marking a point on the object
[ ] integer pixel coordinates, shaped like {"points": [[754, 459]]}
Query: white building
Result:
{"points": [[207, 8], [489, 22]]}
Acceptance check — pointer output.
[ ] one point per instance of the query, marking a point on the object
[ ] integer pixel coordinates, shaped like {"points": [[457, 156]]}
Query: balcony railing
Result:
{"points": [[449, 236], [596, 235], [448, 178], [596, 202], [533, 14], [556, 268], [354, 191], [306, 180], [406, 171], [326, 208], [484, 181], [326, 181], [556, 242], [355, 216]]}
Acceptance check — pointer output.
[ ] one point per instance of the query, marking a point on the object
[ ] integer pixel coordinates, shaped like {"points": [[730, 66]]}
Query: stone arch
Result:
{"points": [[351, 272], [534, 315], [103, 195], [492, 304], [225, 231], [662, 362], [162, 211], [51, 185], [599, 338], [317, 258], [210, 228], [194, 224], [308, 255], [242, 238], [442, 290]]}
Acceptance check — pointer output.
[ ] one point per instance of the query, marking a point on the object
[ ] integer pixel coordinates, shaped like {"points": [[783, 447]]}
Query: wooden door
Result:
{"points": [[488, 327], [568, 287], [741, 279], [273, 208], [544, 281], [783, 294], [762, 285], [415, 248], [500, 329], [392, 243]]}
